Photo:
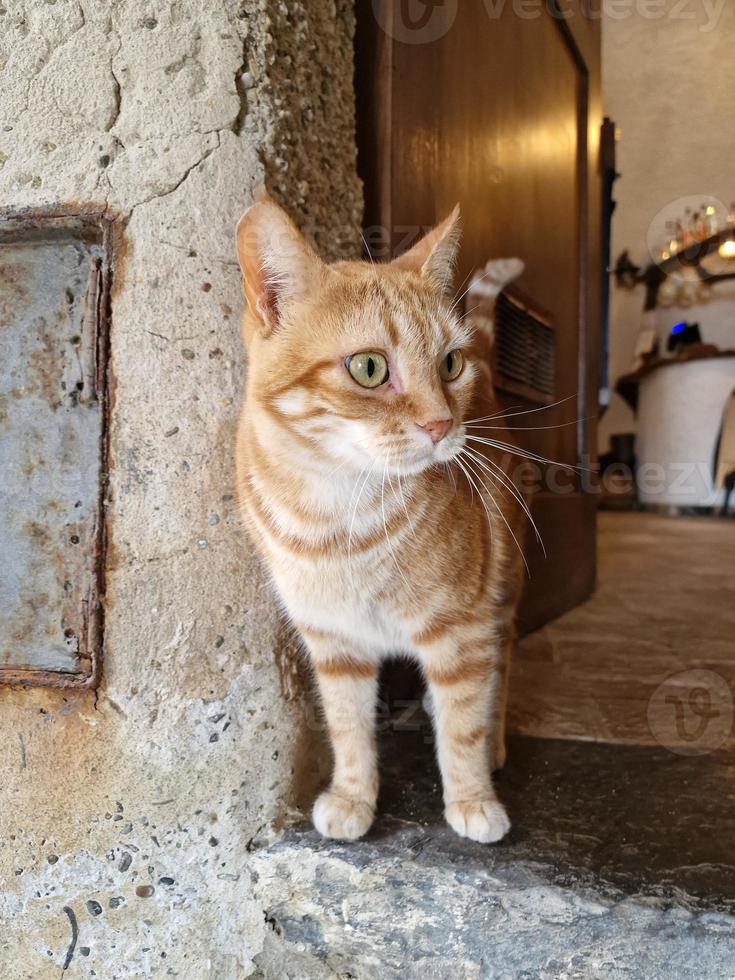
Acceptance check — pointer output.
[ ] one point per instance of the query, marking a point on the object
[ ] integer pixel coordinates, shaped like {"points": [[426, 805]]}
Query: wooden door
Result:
{"points": [[502, 113]]}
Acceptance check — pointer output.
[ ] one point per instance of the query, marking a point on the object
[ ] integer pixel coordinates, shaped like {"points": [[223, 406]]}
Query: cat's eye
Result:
{"points": [[369, 368], [451, 365]]}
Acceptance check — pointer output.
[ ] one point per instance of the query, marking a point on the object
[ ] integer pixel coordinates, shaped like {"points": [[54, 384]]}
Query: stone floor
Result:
{"points": [[663, 614], [621, 859], [620, 864]]}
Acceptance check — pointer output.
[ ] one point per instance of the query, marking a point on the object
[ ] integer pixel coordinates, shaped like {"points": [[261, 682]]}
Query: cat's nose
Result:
{"points": [[436, 429]]}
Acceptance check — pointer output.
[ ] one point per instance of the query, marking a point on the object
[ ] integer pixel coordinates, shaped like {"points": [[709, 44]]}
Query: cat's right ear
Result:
{"points": [[278, 265]]}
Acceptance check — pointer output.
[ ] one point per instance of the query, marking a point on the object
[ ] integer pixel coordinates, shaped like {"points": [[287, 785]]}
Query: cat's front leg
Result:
{"points": [[348, 686], [462, 677], [505, 633]]}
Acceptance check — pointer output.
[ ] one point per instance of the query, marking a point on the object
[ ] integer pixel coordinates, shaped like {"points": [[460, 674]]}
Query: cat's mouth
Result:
{"points": [[450, 447], [422, 458]]}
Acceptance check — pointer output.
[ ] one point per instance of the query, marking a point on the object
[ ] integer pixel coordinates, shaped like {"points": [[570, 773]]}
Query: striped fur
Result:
{"points": [[374, 539]]}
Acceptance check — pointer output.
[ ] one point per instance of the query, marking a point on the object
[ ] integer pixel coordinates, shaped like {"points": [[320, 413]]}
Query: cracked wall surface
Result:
{"points": [[127, 819]]}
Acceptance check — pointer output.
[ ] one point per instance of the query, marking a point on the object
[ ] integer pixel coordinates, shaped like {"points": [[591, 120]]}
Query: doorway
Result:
{"points": [[503, 114], [625, 676]]}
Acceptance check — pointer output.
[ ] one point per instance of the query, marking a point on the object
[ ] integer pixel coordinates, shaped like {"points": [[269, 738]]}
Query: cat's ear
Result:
{"points": [[278, 266], [434, 256]]}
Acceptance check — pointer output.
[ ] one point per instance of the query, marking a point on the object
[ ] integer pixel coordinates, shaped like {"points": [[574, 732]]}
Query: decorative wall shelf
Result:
{"points": [[628, 275]]}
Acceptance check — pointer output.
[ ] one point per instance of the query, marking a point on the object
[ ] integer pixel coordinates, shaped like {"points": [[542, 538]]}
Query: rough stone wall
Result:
{"points": [[128, 815]]}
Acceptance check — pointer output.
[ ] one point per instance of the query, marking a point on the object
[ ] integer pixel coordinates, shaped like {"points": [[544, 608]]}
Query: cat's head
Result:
{"points": [[366, 365]]}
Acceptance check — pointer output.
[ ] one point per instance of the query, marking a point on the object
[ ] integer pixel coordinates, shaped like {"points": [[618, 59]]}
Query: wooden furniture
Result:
{"points": [[503, 113]]}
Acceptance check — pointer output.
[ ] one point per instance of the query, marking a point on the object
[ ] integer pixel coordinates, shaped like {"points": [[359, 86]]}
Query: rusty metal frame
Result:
{"points": [[89, 225]]}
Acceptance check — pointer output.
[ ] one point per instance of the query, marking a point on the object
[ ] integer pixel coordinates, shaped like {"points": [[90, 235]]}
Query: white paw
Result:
{"points": [[482, 820], [341, 817]]}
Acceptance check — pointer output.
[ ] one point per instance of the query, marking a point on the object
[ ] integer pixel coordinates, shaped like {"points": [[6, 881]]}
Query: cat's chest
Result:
{"points": [[361, 611]]}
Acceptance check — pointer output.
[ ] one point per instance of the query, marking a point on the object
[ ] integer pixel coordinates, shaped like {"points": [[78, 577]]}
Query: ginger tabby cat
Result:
{"points": [[360, 379]]}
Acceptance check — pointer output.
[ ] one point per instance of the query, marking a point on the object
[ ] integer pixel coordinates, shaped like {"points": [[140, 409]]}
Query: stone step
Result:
{"points": [[587, 884]]}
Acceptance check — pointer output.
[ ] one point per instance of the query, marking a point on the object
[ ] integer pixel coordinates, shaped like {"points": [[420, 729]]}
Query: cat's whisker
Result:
{"points": [[469, 479], [509, 414], [498, 415], [459, 298], [497, 474], [450, 471], [367, 249], [525, 454], [479, 492], [456, 460], [474, 282], [502, 515], [527, 428], [473, 486], [468, 313]]}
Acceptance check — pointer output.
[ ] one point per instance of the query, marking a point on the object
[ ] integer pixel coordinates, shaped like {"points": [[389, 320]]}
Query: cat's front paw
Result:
{"points": [[342, 817], [482, 820]]}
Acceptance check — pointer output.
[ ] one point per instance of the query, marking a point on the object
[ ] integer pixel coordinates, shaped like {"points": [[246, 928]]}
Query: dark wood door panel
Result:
{"points": [[488, 115], [565, 576], [495, 113]]}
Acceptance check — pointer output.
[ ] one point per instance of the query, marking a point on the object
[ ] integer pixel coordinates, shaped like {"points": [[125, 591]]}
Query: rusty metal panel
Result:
{"points": [[53, 347]]}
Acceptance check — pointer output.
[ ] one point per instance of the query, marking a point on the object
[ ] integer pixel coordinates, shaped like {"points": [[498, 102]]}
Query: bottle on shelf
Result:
{"points": [[679, 236], [713, 222], [702, 230], [672, 238], [687, 236]]}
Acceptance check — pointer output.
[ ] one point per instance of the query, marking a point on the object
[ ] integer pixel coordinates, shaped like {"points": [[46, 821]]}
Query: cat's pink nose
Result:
{"points": [[436, 429]]}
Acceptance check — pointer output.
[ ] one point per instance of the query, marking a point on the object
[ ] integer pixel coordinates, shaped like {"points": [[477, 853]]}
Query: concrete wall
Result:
{"points": [[134, 811], [668, 81]]}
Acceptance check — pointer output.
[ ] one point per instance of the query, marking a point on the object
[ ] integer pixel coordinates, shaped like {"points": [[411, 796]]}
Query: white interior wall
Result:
{"points": [[668, 84]]}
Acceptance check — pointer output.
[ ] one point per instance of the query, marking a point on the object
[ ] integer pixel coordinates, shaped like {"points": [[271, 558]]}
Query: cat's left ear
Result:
{"points": [[434, 256]]}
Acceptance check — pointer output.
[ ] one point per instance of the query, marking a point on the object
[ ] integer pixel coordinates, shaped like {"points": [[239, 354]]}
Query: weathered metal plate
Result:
{"points": [[52, 452]]}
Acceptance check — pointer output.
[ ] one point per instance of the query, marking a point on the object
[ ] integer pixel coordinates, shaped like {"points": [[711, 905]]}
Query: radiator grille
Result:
{"points": [[524, 350]]}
